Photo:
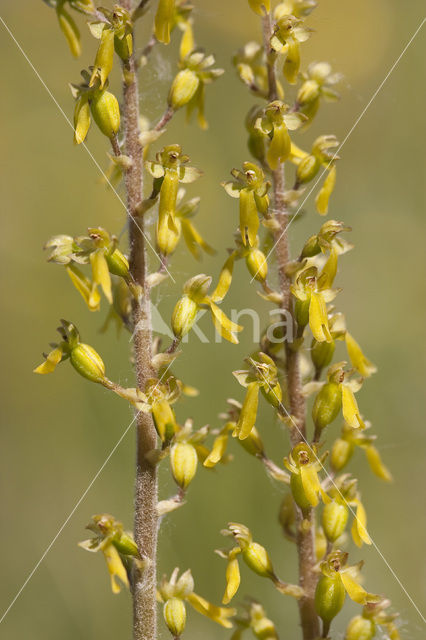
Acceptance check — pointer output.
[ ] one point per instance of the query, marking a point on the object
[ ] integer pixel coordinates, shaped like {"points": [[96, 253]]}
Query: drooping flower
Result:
{"points": [[194, 299], [251, 187], [344, 447], [117, 547], [336, 580], [182, 589], [275, 123], [255, 557]]}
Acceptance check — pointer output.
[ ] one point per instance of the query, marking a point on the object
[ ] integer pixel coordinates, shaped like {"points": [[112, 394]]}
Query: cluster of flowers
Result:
{"points": [[311, 285]]}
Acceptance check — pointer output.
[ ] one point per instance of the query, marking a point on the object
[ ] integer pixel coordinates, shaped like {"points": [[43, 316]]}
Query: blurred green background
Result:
{"points": [[57, 431]]}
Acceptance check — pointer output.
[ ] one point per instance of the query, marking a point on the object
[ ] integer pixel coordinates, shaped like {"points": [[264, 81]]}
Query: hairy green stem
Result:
{"points": [[305, 524], [146, 492]]}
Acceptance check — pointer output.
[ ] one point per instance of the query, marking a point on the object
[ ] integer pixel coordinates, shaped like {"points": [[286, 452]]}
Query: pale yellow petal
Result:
{"points": [[310, 482], [218, 450], [357, 358], [225, 279], [217, 614], [248, 412], [350, 408], [233, 580], [376, 464], [318, 321], [52, 360]]}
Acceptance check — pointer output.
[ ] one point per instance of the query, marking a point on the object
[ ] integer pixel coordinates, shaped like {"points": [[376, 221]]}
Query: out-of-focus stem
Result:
{"points": [[305, 524]]}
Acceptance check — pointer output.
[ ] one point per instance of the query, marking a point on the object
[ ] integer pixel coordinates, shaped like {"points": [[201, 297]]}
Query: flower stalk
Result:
{"points": [[305, 523], [146, 491]]}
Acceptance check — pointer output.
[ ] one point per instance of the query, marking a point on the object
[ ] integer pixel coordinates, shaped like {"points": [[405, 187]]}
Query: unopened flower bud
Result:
{"points": [[360, 628], [183, 88], [256, 264], [184, 315], [118, 264], [183, 462], [174, 613], [334, 520], [322, 354], [341, 453], [88, 362], [273, 395], [327, 405], [329, 597], [106, 112], [256, 557], [307, 169]]}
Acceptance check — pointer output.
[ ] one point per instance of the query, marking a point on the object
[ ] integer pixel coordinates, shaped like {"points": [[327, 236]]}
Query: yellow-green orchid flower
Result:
{"points": [[85, 360], [262, 376], [255, 557], [182, 589], [251, 188], [345, 494], [312, 291], [157, 399], [255, 619], [326, 240], [336, 580], [100, 250], [249, 62], [289, 32], [194, 299], [116, 545], [373, 615], [304, 466], [168, 235], [169, 169], [309, 165], [275, 124], [189, 85], [318, 83], [334, 395], [344, 447]]}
